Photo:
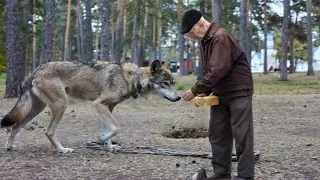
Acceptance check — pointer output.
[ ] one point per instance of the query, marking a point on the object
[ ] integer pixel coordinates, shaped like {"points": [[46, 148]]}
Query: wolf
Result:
{"points": [[105, 84]]}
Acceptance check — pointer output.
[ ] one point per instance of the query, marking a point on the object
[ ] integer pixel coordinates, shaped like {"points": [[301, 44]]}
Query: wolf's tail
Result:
{"points": [[26, 108]]}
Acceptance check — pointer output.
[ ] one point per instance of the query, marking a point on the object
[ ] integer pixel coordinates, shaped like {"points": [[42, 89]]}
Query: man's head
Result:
{"points": [[194, 24]]}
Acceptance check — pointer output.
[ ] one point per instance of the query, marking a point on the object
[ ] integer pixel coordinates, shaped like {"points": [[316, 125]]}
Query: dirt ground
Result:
{"points": [[287, 134]]}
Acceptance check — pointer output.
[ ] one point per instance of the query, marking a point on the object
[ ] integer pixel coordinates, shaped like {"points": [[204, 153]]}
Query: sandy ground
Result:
{"points": [[287, 134]]}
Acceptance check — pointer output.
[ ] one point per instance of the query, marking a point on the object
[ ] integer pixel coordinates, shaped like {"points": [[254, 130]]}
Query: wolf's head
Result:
{"points": [[162, 82]]}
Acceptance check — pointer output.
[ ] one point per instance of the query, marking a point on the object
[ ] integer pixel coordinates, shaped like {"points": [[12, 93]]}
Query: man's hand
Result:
{"points": [[188, 95], [202, 95]]}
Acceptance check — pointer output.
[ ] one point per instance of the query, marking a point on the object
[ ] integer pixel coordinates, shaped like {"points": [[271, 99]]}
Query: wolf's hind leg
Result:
{"points": [[37, 107], [14, 130], [57, 109]]}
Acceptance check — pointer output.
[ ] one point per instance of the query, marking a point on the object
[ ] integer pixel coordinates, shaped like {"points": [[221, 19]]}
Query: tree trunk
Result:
{"points": [[34, 39], [106, 40], [119, 31], [159, 29], [181, 40], [154, 40], [89, 34], [243, 25], [283, 63], [124, 52], [112, 30], [265, 31], [309, 39], [96, 56], [12, 49], [249, 33], [66, 39], [134, 33], [78, 42], [145, 26], [24, 43], [47, 51], [216, 11], [80, 32], [292, 69], [200, 68]]}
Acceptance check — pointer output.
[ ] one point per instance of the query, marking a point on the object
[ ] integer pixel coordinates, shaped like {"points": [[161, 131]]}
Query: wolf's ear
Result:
{"points": [[155, 66], [166, 65]]}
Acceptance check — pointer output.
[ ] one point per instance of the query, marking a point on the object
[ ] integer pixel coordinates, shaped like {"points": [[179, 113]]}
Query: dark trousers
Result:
{"points": [[230, 120]]}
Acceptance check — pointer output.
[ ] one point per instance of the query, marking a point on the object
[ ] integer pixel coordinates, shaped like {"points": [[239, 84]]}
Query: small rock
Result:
{"points": [[30, 128], [314, 158], [194, 161], [177, 165], [308, 144], [72, 111], [173, 127], [305, 106]]}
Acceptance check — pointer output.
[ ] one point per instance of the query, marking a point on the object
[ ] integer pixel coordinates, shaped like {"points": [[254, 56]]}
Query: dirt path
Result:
{"points": [[286, 134]]}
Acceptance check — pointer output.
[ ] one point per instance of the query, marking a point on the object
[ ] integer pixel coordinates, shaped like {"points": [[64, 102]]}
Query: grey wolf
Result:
{"points": [[227, 75], [105, 84]]}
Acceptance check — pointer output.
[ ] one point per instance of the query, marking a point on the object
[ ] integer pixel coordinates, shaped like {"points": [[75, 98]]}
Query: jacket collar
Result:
{"points": [[210, 32]]}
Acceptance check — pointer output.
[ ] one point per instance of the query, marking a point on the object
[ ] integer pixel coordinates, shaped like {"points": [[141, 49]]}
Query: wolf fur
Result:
{"points": [[105, 84]]}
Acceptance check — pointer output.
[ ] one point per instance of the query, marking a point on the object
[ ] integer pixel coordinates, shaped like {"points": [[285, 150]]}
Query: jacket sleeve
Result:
{"points": [[220, 64]]}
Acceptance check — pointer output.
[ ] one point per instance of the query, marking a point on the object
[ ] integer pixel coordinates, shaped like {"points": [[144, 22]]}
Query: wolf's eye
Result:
{"points": [[167, 83]]}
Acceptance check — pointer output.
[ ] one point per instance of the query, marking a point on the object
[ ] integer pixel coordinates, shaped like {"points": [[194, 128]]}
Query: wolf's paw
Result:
{"points": [[65, 150], [113, 148], [10, 148]]}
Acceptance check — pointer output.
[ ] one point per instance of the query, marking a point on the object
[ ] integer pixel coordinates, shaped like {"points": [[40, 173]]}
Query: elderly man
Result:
{"points": [[227, 74]]}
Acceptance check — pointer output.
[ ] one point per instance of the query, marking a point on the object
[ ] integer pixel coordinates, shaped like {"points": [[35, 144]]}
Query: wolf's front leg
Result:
{"points": [[110, 127], [107, 142]]}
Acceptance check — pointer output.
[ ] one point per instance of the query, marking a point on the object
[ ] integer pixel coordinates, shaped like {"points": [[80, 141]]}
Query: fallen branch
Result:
{"points": [[160, 151]]}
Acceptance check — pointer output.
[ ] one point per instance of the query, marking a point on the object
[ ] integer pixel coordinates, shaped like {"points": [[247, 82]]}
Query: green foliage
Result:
{"points": [[300, 49]]}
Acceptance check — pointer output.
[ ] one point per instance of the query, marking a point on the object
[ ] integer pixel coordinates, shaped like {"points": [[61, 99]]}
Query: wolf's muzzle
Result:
{"points": [[174, 100]]}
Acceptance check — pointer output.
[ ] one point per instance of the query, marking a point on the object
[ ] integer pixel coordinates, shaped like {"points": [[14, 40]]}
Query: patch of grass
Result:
{"points": [[3, 77], [298, 83], [184, 83]]}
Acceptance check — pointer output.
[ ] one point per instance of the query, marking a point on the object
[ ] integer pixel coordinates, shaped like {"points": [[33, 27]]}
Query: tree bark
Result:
{"points": [[106, 40], [96, 56], [200, 68], [249, 32], [12, 49], [66, 39], [292, 69], [154, 39], [34, 38], [285, 31], [309, 39], [89, 33], [47, 51], [134, 33], [124, 52], [243, 25], [265, 31], [80, 31], [119, 31], [216, 11], [159, 30], [181, 40]]}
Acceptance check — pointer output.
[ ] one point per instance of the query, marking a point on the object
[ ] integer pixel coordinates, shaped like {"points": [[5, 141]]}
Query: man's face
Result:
{"points": [[196, 32]]}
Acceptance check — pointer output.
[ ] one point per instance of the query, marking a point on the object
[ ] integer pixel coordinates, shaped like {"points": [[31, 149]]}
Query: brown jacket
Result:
{"points": [[226, 69]]}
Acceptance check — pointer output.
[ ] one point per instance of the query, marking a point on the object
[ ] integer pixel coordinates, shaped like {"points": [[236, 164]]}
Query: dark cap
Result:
{"points": [[189, 19]]}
